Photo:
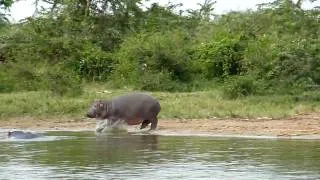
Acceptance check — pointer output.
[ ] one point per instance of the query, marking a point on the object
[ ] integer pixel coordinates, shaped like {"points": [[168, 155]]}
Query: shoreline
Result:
{"points": [[303, 126]]}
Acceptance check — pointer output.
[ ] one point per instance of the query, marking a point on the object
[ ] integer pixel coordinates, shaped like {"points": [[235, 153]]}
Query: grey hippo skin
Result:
{"points": [[133, 108], [22, 135]]}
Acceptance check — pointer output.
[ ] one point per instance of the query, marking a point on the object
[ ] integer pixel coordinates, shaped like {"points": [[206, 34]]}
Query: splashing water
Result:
{"points": [[106, 125]]}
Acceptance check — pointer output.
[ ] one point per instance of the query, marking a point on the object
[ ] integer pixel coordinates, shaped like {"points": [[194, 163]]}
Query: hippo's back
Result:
{"points": [[135, 97], [137, 102]]}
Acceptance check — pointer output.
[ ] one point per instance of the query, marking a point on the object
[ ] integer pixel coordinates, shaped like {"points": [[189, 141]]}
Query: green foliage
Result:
{"points": [[158, 18], [240, 86], [147, 55], [95, 64], [5, 3], [157, 81], [63, 82], [27, 77], [283, 63], [221, 59], [19, 77], [298, 66], [157, 49], [7, 82]]}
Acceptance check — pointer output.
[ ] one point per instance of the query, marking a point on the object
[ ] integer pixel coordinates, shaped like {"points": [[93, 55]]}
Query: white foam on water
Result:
{"points": [[104, 126]]}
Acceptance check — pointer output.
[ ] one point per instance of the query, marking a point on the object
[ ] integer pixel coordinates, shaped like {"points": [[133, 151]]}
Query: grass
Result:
{"points": [[205, 104]]}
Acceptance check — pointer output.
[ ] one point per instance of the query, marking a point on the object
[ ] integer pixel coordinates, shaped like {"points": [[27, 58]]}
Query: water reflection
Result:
{"points": [[130, 156]]}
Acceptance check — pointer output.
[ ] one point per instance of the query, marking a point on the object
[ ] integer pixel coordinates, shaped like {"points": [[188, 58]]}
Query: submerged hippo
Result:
{"points": [[22, 135], [133, 108]]}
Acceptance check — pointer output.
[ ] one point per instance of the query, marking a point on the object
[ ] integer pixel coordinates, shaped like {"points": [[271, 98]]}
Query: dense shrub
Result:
{"points": [[20, 77], [153, 54], [221, 59], [241, 86], [63, 82], [299, 62], [57, 79], [157, 81], [7, 82], [119, 43], [284, 64], [95, 64]]}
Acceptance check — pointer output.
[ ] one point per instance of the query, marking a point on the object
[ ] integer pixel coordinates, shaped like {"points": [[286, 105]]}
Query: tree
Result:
{"points": [[4, 5], [299, 2], [206, 9]]}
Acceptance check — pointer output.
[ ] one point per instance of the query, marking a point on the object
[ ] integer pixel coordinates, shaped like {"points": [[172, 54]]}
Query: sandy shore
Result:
{"points": [[304, 126]]}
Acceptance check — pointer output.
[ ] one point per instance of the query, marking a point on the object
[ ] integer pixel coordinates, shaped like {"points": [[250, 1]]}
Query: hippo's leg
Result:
{"points": [[144, 124], [154, 123]]}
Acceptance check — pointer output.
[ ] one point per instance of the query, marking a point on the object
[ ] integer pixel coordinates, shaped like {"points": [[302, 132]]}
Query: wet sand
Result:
{"points": [[303, 126]]}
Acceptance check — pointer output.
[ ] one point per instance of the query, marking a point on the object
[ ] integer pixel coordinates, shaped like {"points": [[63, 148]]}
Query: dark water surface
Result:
{"points": [[83, 155]]}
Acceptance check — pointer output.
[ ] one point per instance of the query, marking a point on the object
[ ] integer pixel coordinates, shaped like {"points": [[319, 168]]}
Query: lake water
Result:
{"points": [[84, 155]]}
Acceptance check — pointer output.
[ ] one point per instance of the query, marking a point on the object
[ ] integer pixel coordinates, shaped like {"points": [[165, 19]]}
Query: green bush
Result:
{"points": [[299, 62], [7, 82], [240, 86], [28, 77], [153, 54], [95, 64], [63, 82], [276, 47], [156, 81], [20, 77], [284, 65], [221, 59]]}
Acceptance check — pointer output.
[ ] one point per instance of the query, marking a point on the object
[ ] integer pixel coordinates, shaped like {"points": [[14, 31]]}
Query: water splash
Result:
{"points": [[104, 126]]}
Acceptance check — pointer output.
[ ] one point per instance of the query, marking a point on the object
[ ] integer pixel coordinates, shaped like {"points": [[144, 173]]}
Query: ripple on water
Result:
{"points": [[38, 139], [82, 155]]}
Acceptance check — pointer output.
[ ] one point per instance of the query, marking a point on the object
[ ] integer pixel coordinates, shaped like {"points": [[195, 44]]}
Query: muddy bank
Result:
{"points": [[305, 126]]}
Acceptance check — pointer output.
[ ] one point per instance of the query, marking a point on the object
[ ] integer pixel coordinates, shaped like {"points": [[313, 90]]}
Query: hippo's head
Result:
{"points": [[99, 110]]}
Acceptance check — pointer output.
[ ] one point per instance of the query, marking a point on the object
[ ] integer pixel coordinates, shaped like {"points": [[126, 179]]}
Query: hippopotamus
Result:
{"points": [[22, 135], [134, 108]]}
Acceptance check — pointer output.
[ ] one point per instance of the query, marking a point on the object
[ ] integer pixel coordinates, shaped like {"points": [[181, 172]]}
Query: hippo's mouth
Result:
{"points": [[95, 116], [90, 115]]}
